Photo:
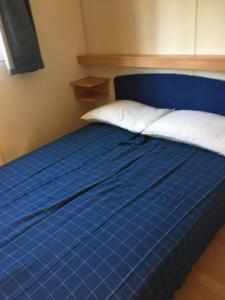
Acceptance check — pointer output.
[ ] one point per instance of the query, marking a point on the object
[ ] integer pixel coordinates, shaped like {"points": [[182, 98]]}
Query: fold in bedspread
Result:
{"points": [[99, 213]]}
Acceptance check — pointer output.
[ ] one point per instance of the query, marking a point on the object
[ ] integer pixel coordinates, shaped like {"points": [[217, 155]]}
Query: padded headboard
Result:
{"points": [[173, 91]]}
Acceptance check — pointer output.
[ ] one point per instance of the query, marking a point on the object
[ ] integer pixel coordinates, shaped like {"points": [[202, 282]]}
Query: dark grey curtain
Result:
{"points": [[21, 36]]}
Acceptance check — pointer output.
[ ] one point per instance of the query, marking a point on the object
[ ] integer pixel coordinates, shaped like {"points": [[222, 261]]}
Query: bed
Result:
{"points": [[104, 213]]}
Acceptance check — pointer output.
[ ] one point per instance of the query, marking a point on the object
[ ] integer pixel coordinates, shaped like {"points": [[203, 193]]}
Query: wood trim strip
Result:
{"points": [[177, 62]]}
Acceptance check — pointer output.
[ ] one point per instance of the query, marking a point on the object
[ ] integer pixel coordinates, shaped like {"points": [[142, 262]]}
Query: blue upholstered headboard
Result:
{"points": [[173, 91]]}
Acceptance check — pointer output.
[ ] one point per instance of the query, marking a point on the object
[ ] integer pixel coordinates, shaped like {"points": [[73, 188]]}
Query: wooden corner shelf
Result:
{"points": [[91, 89], [176, 62]]}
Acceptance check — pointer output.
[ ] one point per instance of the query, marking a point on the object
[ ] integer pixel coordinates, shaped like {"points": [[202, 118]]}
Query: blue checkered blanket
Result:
{"points": [[103, 213]]}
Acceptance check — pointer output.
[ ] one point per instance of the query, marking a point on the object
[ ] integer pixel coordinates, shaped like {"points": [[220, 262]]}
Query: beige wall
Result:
{"points": [[139, 26], [38, 107], [154, 27]]}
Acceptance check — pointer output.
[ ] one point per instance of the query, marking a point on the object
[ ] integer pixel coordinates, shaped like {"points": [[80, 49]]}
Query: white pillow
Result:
{"points": [[126, 114], [205, 130]]}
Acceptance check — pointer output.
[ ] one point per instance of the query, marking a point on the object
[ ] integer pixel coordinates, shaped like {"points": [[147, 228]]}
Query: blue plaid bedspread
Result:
{"points": [[106, 214]]}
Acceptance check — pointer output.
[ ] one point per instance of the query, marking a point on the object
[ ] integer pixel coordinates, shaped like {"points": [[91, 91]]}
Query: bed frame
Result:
{"points": [[183, 92], [173, 91]]}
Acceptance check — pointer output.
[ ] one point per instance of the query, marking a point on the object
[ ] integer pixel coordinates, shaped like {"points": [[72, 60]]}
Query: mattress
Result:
{"points": [[103, 213]]}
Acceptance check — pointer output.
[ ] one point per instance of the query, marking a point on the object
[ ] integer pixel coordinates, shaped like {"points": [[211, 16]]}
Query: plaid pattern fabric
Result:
{"points": [[106, 214]]}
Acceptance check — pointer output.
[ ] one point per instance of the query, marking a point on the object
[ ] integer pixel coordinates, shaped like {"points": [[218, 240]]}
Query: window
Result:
{"points": [[1, 51], [5, 60], [18, 39], [1, 58]]}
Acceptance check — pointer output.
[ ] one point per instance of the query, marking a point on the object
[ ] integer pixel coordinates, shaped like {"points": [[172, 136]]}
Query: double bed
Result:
{"points": [[104, 213]]}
